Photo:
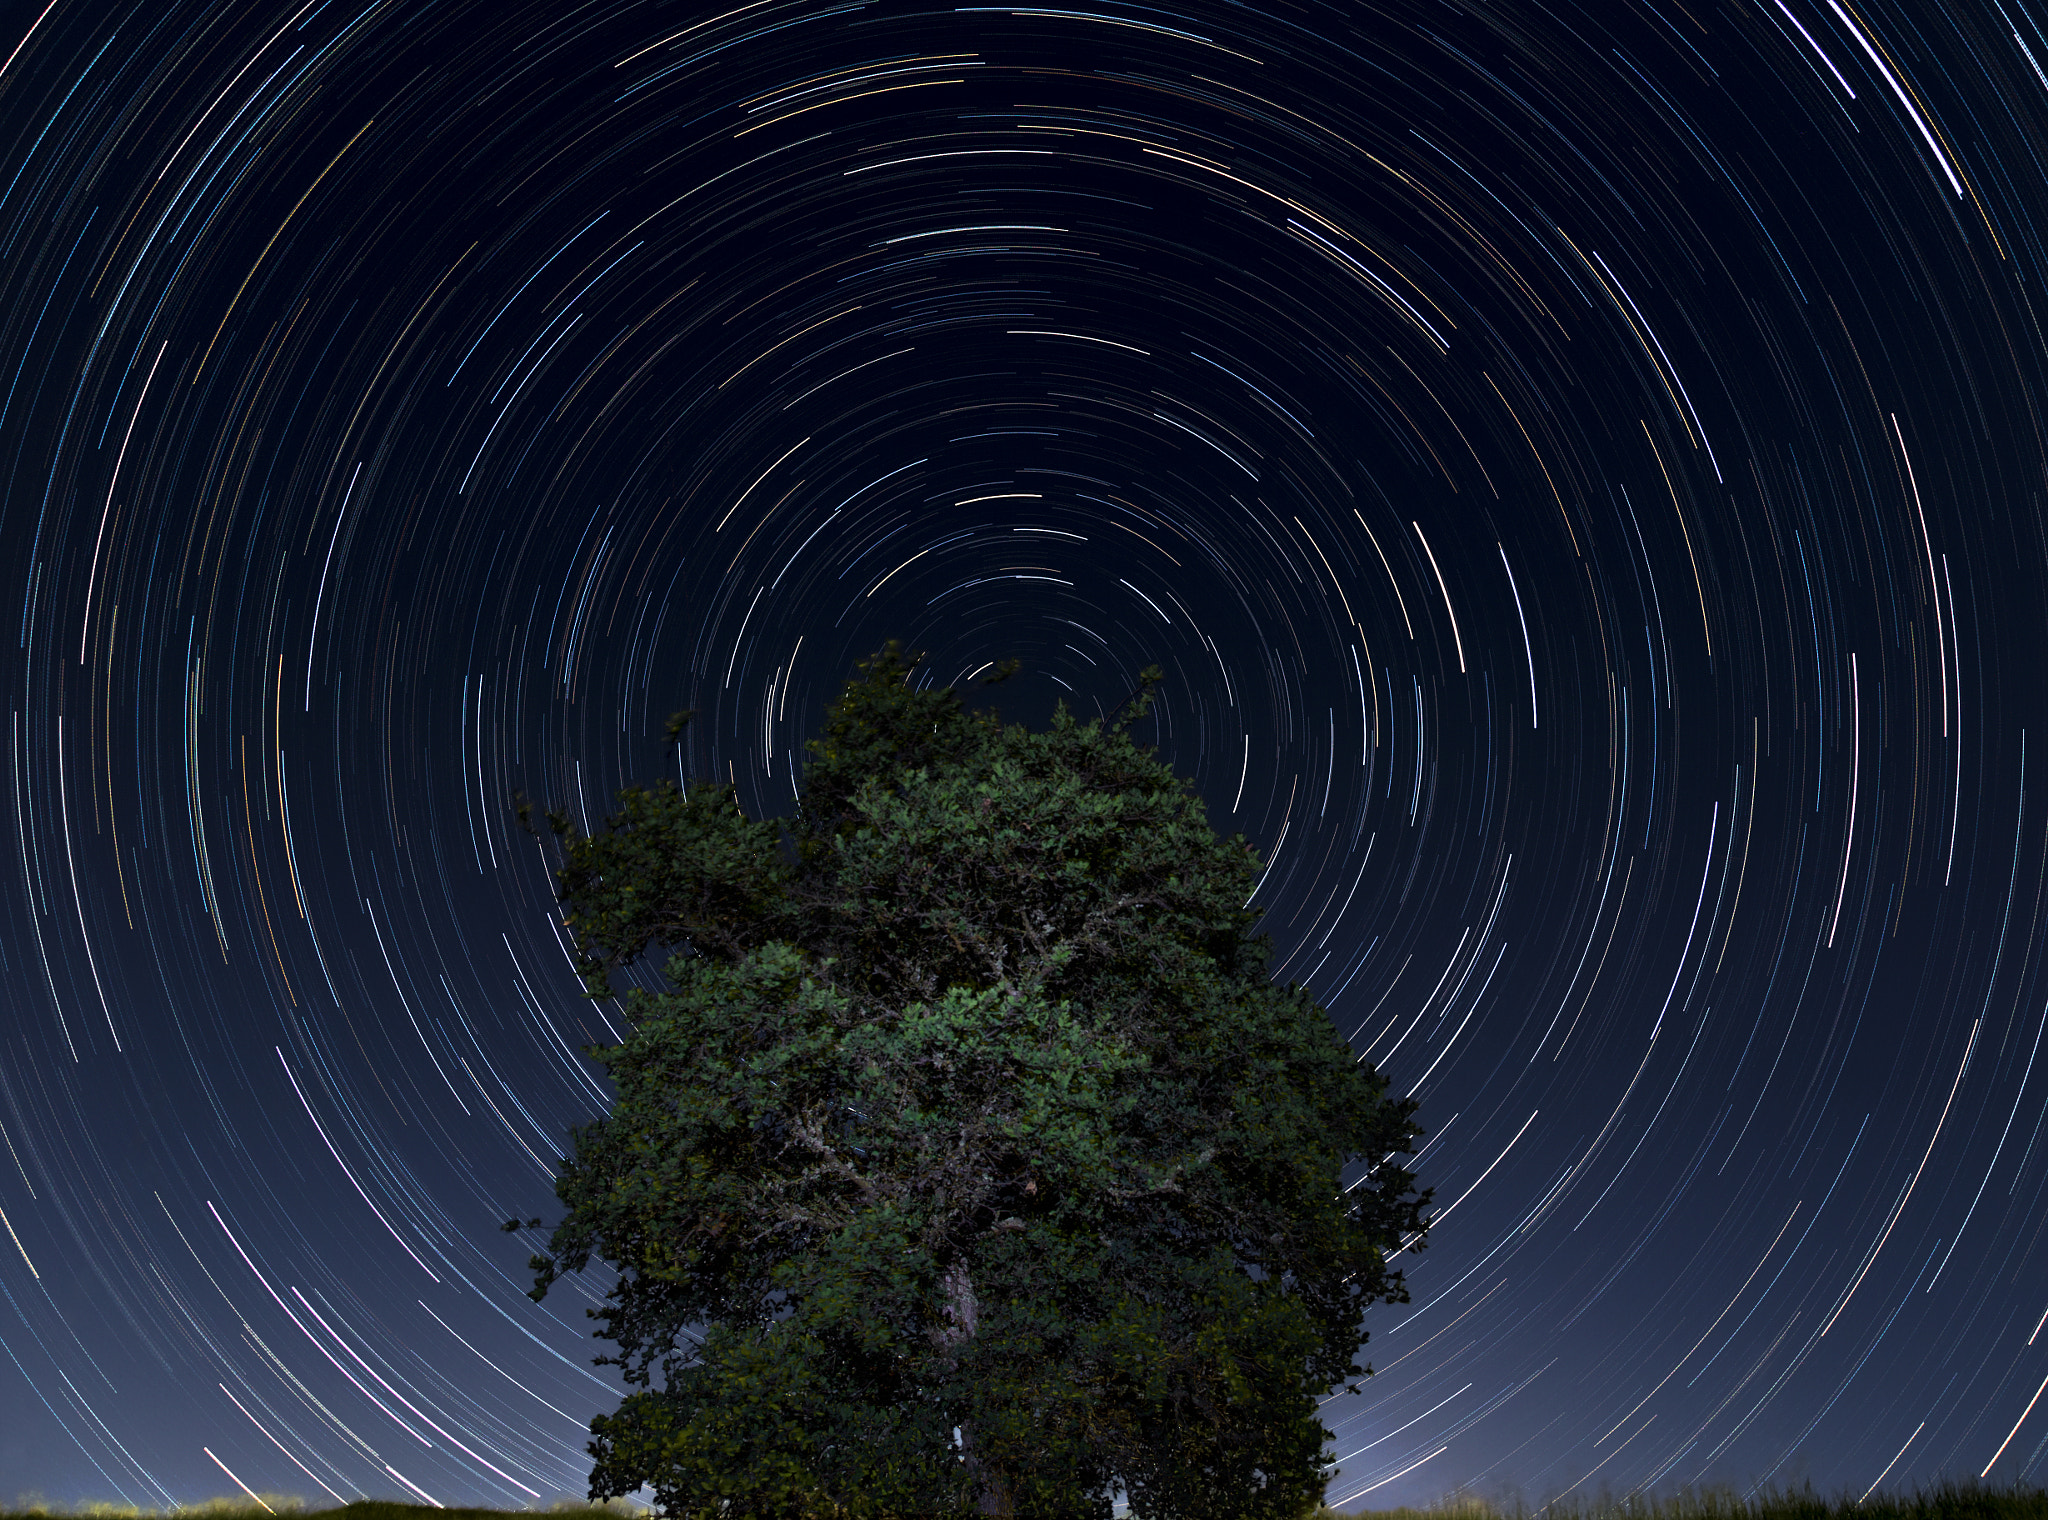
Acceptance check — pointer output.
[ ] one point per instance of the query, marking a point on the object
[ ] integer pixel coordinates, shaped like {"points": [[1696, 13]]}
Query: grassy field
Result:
{"points": [[1946, 1501], [291, 1508]]}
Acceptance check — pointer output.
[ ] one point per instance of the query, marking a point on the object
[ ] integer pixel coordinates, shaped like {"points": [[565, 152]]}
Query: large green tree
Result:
{"points": [[967, 1159]]}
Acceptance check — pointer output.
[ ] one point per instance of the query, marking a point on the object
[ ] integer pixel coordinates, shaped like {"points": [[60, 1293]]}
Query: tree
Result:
{"points": [[966, 1158]]}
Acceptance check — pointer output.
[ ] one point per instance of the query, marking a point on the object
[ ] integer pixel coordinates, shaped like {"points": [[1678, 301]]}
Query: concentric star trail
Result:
{"points": [[1584, 471]]}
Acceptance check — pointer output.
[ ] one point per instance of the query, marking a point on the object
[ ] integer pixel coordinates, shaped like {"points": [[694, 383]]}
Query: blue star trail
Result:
{"points": [[1583, 469]]}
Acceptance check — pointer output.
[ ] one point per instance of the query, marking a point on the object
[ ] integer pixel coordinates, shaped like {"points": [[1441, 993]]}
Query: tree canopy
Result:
{"points": [[966, 1157]]}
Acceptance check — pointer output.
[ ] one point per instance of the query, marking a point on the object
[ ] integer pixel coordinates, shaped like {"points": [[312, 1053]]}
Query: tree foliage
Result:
{"points": [[967, 1158]]}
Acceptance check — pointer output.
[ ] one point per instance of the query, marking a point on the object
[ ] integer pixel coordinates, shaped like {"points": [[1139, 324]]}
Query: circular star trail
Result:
{"points": [[1580, 467]]}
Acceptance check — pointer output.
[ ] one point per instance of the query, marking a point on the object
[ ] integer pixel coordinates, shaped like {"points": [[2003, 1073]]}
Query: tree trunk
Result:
{"points": [[963, 1315], [963, 1312]]}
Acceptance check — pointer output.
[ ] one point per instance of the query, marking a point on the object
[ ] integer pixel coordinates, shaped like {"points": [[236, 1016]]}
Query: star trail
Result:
{"points": [[1581, 467]]}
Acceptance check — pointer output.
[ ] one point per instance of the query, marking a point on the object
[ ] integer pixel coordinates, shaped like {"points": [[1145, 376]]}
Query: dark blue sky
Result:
{"points": [[1581, 468]]}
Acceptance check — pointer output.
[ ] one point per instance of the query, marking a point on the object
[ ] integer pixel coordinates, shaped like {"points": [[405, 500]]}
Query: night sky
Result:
{"points": [[1582, 468]]}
